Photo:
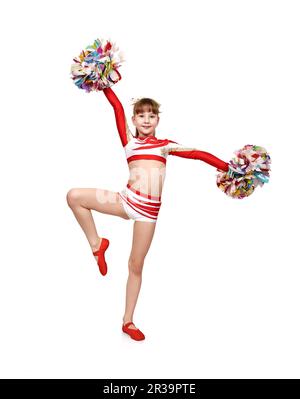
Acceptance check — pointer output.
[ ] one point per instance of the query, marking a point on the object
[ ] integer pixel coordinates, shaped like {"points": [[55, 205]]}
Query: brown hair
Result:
{"points": [[145, 104]]}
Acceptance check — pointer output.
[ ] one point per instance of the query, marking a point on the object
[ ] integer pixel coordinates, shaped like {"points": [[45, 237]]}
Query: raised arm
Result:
{"points": [[123, 129], [180, 150]]}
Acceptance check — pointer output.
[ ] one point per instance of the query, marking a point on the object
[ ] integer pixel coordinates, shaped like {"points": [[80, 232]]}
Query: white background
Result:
{"points": [[220, 292]]}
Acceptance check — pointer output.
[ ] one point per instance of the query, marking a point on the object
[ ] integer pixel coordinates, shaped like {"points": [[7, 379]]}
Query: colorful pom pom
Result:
{"points": [[249, 169], [97, 66]]}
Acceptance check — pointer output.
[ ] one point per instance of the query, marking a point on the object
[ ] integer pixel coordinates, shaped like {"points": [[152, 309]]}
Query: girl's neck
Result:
{"points": [[141, 137]]}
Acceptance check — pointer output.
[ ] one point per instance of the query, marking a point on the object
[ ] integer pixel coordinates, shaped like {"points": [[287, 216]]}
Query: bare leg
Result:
{"points": [[83, 200], [142, 237]]}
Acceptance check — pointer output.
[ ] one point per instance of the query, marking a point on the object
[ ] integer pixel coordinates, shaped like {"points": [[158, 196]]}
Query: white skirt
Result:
{"points": [[139, 206]]}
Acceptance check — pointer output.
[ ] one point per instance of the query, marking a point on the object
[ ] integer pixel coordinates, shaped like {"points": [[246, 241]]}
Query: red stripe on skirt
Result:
{"points": [[143, 208], [143, 195], [141, 213]]}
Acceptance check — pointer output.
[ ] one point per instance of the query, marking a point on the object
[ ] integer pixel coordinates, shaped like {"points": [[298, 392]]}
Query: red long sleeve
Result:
{"points": [[192, 153], [122, 126]]}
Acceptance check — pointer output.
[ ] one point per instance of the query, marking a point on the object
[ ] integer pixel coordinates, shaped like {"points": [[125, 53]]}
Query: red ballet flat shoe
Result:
{"points": [[101, 259], [137, 335]]}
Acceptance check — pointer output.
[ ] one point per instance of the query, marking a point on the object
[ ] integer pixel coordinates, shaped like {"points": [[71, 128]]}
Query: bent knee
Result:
{"points": [[73, 197], [135, 265]]}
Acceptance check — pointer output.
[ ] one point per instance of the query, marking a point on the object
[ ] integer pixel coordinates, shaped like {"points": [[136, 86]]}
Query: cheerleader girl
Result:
{"points": [[140, 199]]}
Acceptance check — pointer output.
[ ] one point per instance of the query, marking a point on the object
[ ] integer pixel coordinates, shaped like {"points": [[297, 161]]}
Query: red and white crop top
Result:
{"points": [[151, 147]]}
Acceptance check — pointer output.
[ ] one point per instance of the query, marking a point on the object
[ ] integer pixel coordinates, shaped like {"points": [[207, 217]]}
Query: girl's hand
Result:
{"points": [[233, 172]]}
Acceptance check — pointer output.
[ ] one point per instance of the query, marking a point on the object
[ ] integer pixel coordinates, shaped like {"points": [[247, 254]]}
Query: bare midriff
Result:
{"points": [[147, 176]]}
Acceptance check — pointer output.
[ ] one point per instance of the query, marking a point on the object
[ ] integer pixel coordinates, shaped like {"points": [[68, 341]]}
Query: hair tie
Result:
{"points": [[134, 100]]}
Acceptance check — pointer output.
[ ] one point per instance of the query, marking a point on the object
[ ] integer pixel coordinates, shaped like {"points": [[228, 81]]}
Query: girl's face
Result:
{"points": [[145, 122]]}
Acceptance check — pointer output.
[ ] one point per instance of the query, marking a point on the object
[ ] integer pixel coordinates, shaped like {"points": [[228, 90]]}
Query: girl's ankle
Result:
{"points": [[95, 245]]}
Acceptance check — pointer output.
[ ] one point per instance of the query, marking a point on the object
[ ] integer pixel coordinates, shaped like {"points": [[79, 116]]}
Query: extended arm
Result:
{"points": [[181, 151], [123, 129]]}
